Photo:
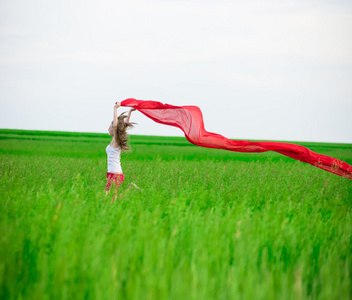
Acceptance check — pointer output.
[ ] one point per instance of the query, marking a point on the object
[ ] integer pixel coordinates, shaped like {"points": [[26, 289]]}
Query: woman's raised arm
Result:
{"points": [[129, 115], [115, 120]]}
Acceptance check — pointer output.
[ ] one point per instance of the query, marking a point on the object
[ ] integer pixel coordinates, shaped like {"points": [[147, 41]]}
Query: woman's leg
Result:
{"points": [[118, 179]]}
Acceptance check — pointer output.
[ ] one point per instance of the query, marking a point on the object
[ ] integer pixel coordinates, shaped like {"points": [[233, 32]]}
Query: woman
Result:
{"points": [[119, 143]]}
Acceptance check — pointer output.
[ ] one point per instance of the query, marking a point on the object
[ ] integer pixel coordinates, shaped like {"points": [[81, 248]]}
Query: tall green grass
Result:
{"points": [[208, 224]]}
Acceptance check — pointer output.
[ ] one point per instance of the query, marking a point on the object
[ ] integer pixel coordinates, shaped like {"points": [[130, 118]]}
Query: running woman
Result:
{"points": [[119, 143]]}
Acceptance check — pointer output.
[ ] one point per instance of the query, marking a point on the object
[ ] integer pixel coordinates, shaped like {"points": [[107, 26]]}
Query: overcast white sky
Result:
{"points": [[269, 70]]}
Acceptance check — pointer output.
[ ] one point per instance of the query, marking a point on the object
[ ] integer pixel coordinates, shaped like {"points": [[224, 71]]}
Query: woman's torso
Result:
{"points": [[114, 156]]}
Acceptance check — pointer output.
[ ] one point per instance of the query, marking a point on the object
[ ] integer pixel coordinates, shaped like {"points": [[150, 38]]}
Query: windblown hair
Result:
{"points": [[122, 136]]}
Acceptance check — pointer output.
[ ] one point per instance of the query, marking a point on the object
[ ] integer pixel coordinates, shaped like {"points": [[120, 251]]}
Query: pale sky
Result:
{"points": [[269, 70]]}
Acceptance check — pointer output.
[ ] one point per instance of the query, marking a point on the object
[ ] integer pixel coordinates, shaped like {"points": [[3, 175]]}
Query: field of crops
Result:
{"points": [[207, 223]]}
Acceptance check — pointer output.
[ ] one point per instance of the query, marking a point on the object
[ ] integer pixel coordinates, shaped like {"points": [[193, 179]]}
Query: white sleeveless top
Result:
{"points": [[114, 164]]}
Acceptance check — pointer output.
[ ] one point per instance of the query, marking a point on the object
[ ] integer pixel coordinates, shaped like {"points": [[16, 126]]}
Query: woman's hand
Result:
{"points": [[117, 105]]}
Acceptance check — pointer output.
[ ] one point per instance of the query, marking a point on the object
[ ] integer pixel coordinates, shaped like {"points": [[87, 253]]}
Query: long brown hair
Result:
{"points": [[122, 136]]}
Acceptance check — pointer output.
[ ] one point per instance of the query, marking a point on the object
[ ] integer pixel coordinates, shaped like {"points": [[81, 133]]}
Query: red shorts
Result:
{"points": [[115, 179]]}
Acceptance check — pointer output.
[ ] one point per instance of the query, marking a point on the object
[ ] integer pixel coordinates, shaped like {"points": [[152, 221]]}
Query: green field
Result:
{"points": [[208, 224]]}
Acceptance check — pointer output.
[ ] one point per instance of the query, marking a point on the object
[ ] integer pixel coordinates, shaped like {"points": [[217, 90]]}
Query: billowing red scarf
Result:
{"points": [[190, 120]]}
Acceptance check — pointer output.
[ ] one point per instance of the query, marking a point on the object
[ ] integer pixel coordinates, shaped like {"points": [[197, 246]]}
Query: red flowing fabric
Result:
{"points": [[190, 120]]}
